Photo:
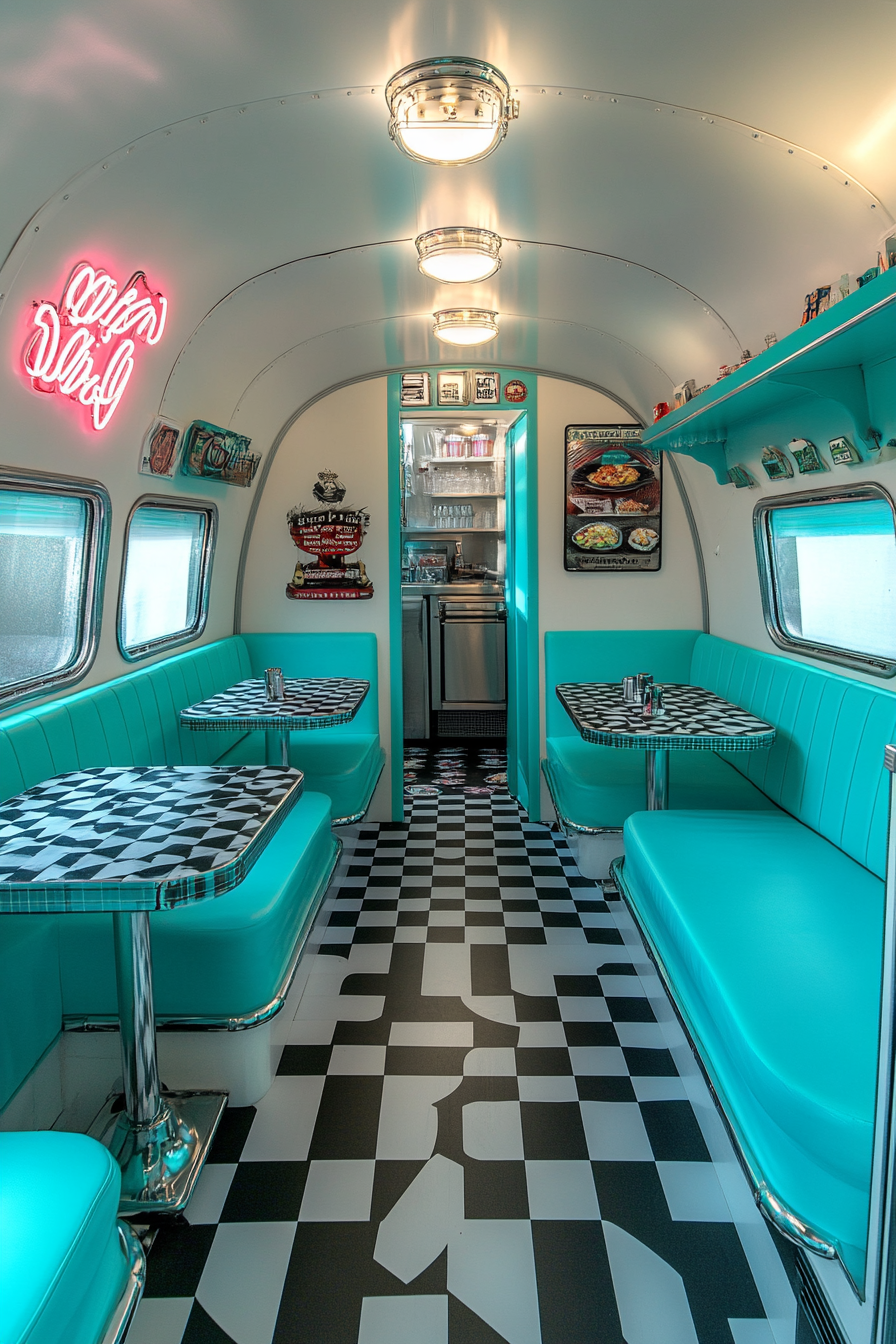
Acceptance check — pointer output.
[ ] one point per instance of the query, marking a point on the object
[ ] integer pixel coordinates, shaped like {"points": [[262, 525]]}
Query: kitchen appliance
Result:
{"points": [[468, 653]]}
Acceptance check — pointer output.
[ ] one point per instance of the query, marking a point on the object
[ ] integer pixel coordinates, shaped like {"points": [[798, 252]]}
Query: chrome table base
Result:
{"points": [[159, 1139], [657, 765], [160, 1161]]}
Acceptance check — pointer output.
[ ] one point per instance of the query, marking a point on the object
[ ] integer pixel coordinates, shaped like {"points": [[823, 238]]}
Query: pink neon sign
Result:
{"points": [[82, 348]]}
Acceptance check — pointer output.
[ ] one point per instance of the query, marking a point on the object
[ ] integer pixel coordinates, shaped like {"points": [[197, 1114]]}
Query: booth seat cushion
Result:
{"points": [[62, 1268], [343, 765], [771, 938], [220, 958], [602, 786], [30, 998]]}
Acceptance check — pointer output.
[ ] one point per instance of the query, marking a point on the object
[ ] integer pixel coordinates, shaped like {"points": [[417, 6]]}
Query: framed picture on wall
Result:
{"points": [[415, 389], [612, 499], [485, 388], [452, 387]]}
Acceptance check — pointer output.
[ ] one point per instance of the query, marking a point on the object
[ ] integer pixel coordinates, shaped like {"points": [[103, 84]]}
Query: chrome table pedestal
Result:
{"points": [[657, 766], [159, 1139]]}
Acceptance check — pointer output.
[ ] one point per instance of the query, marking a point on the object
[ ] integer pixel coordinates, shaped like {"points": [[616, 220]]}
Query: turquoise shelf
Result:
{"points": [[827, 358]]}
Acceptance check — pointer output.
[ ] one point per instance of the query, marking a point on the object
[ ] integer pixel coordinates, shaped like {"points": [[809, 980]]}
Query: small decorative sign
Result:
{"points": [[776, 463], [158, 455], [452, 389], [415, 389], [806, 455], [83, 346], [843, 453], [515, 390], [218, 455], [330, 532], [741, 478], [613, 500], [486, 388]]}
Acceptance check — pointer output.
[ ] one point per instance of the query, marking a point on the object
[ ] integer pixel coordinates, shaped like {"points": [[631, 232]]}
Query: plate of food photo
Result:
{"points": [[611, 478], [643, 539], [597, 537]]}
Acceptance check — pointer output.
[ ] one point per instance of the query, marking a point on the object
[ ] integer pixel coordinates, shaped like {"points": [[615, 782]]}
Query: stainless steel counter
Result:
{"points": [[485, 589]]}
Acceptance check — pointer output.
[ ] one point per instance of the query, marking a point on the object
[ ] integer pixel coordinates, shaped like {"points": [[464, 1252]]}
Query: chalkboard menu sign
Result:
{"points": [[613, 499]]}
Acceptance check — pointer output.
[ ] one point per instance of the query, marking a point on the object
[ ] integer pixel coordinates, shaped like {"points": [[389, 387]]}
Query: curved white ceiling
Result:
{"points": [[650, 241]]}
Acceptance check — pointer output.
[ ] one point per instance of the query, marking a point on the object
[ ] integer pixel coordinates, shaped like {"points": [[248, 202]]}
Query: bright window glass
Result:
{"points": [[164, 592], [44, 540], [834, 571]]}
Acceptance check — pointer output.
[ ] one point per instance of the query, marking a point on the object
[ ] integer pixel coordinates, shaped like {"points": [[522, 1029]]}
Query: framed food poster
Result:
{"points": [[613, 498]]}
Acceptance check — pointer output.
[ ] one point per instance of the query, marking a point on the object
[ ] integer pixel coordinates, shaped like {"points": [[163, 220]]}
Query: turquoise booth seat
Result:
{"points": [[596, 787], [70, 1273], [767, 925], [220, 962], [345, 762]]}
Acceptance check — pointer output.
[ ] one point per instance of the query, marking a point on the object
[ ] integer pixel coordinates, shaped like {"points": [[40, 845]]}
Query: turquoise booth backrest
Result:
{"points": [[351, 654], [827, 763], [610, 655], [130, 721]]}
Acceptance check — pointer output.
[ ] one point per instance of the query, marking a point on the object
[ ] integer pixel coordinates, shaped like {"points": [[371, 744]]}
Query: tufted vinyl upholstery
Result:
{"points": [[827, 764]]}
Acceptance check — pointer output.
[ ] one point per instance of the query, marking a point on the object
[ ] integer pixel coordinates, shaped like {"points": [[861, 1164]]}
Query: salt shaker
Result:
{"points": [[659, 703], [273, 684], [645, 679], [630, 690], [648, 701]]}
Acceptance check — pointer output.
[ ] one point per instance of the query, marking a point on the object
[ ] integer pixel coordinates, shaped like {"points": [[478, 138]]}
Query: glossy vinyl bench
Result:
{"points": [[224, 965], [767, 926], [70, 1273], [594, 789]]}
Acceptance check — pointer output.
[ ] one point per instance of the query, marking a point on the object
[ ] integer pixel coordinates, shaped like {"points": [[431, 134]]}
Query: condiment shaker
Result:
{"points": [[274, 688], [630, 690], [645, 679]]}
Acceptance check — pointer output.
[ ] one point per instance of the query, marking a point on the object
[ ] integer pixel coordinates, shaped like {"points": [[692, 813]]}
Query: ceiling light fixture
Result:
{"points": [[465, 326], [458, 255], [449, 110]]}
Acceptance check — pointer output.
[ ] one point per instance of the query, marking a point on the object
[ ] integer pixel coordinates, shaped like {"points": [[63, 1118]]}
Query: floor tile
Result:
{"points": [[561, 1191], [337, 1192], [408, 1121], [693, 1192], [598, 1059], [161, 1320], [207, 1199], [491, 1268], [650, 1294], [615, 1132], [431, 1033], [555, 1087], [284, 1121], [404, 1320], [491, 1061], [420, 1225], [541, 1033], [243, 1279], [492, 1131], [357, 1059]]}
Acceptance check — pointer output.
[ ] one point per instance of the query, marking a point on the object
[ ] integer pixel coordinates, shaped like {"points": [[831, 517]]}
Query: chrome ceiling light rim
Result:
{"points": [[435, 86], [439, 244], [465, 326]]}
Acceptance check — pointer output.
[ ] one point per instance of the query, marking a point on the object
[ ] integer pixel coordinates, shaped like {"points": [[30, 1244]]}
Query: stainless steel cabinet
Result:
{"points": [[415, 665], [468, 653]]}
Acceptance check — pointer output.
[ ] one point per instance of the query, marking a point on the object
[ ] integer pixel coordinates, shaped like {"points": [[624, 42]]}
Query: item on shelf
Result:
{"points": [[867, 276], [683, 393], [843, 453], [745, 357], [660, 409], [481, 446], [807, 456], [817, 302], [770, 340], [704, 388], [741, 478], [454, 445], [887, 254], [415, 389], [775, 463]]}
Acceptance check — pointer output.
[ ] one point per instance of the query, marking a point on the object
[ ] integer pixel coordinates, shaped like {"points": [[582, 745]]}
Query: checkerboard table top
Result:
{"points": [[310, 702], [138, 838], [695, 719]]}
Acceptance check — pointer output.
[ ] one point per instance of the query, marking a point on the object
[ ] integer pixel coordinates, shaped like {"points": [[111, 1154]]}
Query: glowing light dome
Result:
{"points": [[465, 326], [459, 255], [449, 110]]}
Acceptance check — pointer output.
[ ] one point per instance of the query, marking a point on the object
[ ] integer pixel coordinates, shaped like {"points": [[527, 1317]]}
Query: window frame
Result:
{"points": [[93, 574], [176, 504], [875, 664]]}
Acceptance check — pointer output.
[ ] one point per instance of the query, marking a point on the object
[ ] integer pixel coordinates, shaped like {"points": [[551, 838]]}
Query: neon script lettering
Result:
{"points": [[66, 353]]}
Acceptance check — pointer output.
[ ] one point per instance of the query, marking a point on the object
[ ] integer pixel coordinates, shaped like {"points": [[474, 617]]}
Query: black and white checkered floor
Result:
{"points": [[486, 1126]]}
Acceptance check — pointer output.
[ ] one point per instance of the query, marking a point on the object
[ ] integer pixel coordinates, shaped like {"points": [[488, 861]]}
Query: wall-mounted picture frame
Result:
{"points": [[485, 387], [416, 389], [452, 388], [218, 454], [158, 452], [613, 500]]}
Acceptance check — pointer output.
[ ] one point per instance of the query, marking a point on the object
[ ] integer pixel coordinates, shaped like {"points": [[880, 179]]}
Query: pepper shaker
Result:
{"points": [[274, 688]]}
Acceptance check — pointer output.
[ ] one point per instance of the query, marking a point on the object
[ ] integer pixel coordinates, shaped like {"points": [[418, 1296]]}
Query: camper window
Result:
{"points": [[52, 551], [827, 563], [165, 579]]}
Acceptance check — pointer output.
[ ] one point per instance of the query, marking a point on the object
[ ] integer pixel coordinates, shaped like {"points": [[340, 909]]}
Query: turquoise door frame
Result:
{"points": [[523, 682]]}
